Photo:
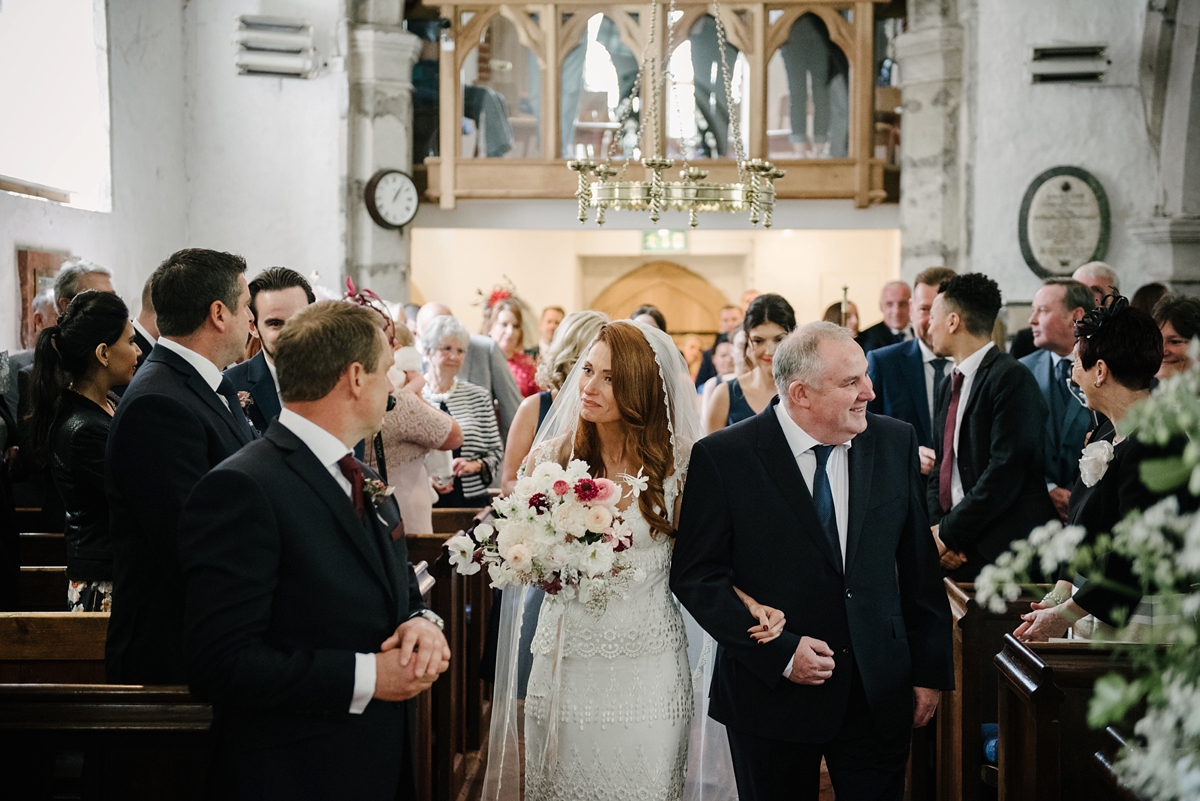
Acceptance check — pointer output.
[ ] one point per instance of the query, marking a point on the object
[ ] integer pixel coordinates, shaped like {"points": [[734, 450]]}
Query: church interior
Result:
{"points": [[848, 145]]}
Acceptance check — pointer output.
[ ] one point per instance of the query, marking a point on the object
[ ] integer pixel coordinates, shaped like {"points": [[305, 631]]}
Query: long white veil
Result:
{"points": [[710, 771]]}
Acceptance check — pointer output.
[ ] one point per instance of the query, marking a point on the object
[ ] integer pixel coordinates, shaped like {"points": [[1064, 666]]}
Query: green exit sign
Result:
{"points": [[664, 241]]}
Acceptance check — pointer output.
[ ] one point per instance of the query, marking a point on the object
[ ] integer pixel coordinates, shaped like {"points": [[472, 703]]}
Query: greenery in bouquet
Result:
{"points": [[1163, 760], [559, 530]]}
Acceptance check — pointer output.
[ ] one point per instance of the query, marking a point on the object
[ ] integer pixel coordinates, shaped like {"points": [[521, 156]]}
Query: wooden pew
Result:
{"points": [[43, 589], [1112, 741], [978, 637], [52, 647], [1046, 747], [451, 521], [102, 741], [33, 518], [37, 549], [459, 703]]}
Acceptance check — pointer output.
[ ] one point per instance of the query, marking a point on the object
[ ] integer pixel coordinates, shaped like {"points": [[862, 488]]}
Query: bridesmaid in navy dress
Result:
{"points": [[769, 319]]}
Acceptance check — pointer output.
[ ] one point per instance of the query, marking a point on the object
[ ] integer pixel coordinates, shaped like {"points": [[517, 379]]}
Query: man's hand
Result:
{"points": [[421, 645], [812, 663], [953, 560], [1062, 499], [926, 705], [396, 682], [928, 459]]}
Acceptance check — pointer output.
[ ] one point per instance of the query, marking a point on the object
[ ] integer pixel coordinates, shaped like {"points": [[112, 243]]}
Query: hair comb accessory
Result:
{"points": [[1094, 321], [368, 299]]}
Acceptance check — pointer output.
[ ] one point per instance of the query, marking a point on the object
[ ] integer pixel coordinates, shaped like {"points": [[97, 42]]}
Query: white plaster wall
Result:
{"points": [[1025, 129], [146, 224], [266, 157], [808, 267]]}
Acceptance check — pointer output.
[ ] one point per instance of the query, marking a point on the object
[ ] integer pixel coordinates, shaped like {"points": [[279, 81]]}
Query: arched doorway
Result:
{"points": [[689, 302]]}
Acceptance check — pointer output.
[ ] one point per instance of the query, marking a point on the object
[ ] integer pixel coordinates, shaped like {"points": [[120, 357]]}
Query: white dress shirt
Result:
{"points": [[907, 331], [141, 329], [329, 449], [274, 375], [801, 443], [968, 368], [207, 370], [927, 357]]}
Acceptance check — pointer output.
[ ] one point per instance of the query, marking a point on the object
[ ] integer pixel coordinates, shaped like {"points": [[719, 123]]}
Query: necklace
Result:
{"points": [[440, 397]]}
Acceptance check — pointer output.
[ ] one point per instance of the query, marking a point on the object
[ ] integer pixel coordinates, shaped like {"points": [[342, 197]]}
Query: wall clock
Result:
{"points": [[391, 198]]}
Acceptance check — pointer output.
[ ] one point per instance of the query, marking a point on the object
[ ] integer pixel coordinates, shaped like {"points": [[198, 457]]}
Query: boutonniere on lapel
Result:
{"points": [[245, 399], [1093, 464], [375, 490]]}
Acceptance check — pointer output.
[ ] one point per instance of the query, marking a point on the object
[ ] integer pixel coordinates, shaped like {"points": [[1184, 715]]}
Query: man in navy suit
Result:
{"points": [[1058, 305], [275, 295], [305, 625], [895, 301], [907, 376], [815, 507], [177, 420]]}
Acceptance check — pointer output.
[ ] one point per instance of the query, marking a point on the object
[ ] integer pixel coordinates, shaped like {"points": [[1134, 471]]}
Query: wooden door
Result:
{"points": [[689, 302]]}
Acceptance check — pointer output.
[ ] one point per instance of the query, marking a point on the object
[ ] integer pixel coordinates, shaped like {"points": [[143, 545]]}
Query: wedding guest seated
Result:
{"points": [[571, 340], [445, 341], [276, 294], [410, 430], [92, 349], [769, 320], [484, 366], [834, 314], [1178, 319], [506, 325], [1118, 350]]}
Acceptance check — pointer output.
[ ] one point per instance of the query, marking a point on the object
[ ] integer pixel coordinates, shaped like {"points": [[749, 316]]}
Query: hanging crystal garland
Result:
{"points": [[753, 193]]}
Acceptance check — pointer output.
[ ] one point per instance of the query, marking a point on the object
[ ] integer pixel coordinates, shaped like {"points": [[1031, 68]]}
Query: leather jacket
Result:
{"points": [[77, 442]]}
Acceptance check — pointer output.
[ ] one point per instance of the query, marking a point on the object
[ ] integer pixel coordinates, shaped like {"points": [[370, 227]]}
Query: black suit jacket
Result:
{"points": [[877, 336], [898, 375], [169, 430], [1000, 463], [749, 521], [254, 376], [284, 585]]}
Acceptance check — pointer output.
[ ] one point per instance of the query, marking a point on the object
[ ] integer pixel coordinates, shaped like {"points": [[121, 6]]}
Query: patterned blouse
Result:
{"points": [[523, 368], [472, 407]]}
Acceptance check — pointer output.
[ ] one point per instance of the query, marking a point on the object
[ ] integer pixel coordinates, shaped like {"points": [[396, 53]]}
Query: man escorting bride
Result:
{"points": [[610, 701]]}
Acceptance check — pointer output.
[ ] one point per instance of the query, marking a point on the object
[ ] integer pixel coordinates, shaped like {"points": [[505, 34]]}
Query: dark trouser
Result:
{"points": [[863, 766]]}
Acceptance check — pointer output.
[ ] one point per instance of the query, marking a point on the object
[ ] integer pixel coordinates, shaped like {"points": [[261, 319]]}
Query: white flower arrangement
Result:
{"points": [[559, 530]]}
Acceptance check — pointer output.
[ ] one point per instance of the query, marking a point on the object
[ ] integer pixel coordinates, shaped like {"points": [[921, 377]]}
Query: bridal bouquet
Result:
{"points": [[559, 531]]}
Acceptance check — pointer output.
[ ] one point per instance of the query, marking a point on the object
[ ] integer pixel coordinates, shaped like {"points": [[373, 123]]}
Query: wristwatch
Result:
{"points": [[431, 616]]}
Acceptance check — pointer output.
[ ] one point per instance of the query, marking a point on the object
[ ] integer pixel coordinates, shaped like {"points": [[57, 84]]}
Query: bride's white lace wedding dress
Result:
{"points": [[620, 690]]}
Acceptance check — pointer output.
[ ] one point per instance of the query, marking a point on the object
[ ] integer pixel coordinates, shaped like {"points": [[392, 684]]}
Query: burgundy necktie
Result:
{"points": [[944, 474], [353, 473]]}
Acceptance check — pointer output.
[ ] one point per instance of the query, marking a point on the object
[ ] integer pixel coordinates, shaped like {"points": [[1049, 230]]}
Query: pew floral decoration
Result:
{"points": [[1162, 543], [1093, 464], [559, 530], [375, 490]]}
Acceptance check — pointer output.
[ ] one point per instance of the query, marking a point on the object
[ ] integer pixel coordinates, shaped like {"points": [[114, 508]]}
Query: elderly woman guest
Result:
{"points": [[572, 338], [444, 342], [1179, 320], [1118, 350], [506, 326], [411, 430], [76, 364], [768, 321]]}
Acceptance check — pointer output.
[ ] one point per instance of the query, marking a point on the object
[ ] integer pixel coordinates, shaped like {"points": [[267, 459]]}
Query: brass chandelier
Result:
{"points": [[753, 193]]}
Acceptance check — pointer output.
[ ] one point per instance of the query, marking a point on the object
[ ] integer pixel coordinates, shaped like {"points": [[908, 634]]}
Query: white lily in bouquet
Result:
{"points": [[560, 531]]}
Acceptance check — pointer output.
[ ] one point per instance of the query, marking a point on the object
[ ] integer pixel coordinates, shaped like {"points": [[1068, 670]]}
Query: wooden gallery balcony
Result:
{"points": [[514, 91]]}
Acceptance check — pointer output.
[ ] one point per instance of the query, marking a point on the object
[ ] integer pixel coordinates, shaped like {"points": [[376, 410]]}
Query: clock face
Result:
{"points": [[392, 198]]}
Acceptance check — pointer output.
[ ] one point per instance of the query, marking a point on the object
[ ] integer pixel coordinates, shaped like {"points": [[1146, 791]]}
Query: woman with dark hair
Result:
{"points": [[847, 318], [76, 364], [650, 315], [1178, 318], [769, 320], [1118, 350]]}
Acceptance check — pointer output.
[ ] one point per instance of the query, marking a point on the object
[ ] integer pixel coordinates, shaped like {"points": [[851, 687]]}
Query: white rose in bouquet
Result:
{"points": [[528, 486], [597, 518], [569, 517], [546, 470], [514, 532], [519, 557]]}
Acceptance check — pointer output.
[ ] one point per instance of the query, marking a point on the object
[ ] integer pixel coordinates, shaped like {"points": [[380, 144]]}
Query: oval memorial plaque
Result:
{"points": [[1064, 221]]}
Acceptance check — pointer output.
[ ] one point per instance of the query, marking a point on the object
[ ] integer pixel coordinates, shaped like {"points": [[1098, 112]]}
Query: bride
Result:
{"points": [[609, 706]]}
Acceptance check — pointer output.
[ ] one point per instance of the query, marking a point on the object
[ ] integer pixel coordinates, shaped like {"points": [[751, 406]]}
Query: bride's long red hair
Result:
{"points": [[638, 392]]}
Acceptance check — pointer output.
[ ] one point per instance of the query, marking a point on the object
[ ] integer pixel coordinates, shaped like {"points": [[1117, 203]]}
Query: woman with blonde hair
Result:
{"points": [[574, 335]]}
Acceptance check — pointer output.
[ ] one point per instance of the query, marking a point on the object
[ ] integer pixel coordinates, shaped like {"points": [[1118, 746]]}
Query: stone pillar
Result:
{"points": [[1172, 233], [930, 55], [382, 55]]}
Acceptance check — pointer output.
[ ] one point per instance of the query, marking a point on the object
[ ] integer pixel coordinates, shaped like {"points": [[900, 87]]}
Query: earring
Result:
{"points": [[1096, 384]]}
